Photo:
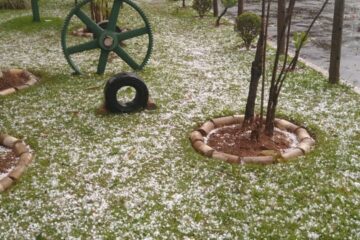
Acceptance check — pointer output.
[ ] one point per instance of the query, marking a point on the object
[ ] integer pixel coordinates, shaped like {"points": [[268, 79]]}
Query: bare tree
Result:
{"points": [[281, 17], [278, 75], [334, 70], [99, 10], [305, 36], [278, 80], [240, 7], [215, 8], [264, 66], [256, 71]]}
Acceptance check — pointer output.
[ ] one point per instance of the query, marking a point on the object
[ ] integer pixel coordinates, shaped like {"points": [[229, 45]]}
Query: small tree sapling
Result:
{"points": [[202, 7], [300, 40], [227, 4], [277, 78]]}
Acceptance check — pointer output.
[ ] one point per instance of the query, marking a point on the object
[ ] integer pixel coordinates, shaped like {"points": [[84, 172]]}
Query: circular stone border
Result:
{"points": [[32, 80], [306, 142], [21, 151]]}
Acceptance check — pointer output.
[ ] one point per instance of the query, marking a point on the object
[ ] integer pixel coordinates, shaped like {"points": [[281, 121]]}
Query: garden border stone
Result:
{"points": [[25, 156], [197, 139], [31, 81]]}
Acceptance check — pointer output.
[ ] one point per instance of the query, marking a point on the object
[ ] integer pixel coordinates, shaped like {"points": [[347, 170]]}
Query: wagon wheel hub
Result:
{"points": [[108, 41]]}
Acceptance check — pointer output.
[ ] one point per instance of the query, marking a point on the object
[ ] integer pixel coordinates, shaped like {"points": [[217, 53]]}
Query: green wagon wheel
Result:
{"points": [[107, 39]]}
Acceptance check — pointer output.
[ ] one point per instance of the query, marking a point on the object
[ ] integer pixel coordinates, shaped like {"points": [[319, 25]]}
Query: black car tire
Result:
{"points": [[119, 81]]}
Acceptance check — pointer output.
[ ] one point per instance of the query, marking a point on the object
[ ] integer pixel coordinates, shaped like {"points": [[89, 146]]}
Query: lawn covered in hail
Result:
{"points": [[136, 176]]}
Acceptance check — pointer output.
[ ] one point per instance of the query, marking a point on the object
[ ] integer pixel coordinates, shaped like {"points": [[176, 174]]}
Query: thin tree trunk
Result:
{"points": [[215, 8], [264, 65], [240, 7], [97, 11], [270, 115], [293, 63], [183, 3], [256, 71], [92, 10], [334, 70], [221, 15], [280, 25], [276, 81], [107, 12], [295, 60]]}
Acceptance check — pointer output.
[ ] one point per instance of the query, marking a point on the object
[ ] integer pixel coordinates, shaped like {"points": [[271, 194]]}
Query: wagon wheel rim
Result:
{"points": [[108, 39]]}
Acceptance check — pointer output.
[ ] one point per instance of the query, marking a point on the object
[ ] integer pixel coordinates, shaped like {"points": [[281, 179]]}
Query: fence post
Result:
{"points": [[35, 10]]}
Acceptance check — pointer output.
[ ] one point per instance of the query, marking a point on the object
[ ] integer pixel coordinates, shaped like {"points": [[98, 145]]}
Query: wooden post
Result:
{"points": [[336, 42], [215, 8], [35, 10], [280, 26], [240, 7]]}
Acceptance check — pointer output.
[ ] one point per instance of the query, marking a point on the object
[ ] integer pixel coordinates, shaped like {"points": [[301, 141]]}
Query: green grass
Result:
{"points": [[26, 25], [136, 176]]}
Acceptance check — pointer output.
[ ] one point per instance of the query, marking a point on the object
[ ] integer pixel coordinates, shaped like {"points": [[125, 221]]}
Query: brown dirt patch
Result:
{"points": [[82, 32], [234, 140], [7, 160], [13, 78]]}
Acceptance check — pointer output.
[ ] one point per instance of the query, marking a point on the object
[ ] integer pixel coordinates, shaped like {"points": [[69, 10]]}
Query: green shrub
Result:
{"points": [[229, 3], [248, 26], [14, 4], [202, 6], [300, 39]]}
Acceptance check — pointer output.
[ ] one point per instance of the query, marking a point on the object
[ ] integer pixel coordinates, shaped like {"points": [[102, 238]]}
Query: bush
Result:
{"points": [[300, 39], [248, 25], [14, 4], [229, 3], [202, 6]]}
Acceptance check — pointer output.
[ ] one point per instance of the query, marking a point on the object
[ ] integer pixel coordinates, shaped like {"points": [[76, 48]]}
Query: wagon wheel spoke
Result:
{"points": [[88, 22], [114, 15], [102, 61], [132, 34], [125, 56], [83, 47]]}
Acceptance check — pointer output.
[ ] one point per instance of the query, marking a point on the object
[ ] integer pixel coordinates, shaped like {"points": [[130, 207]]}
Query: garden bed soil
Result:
{"points": [[8, 160], [236, 141], [13, 78]]}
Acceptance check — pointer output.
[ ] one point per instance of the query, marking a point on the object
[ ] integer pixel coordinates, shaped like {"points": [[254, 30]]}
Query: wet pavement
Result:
{"points": [[317, 49]]}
